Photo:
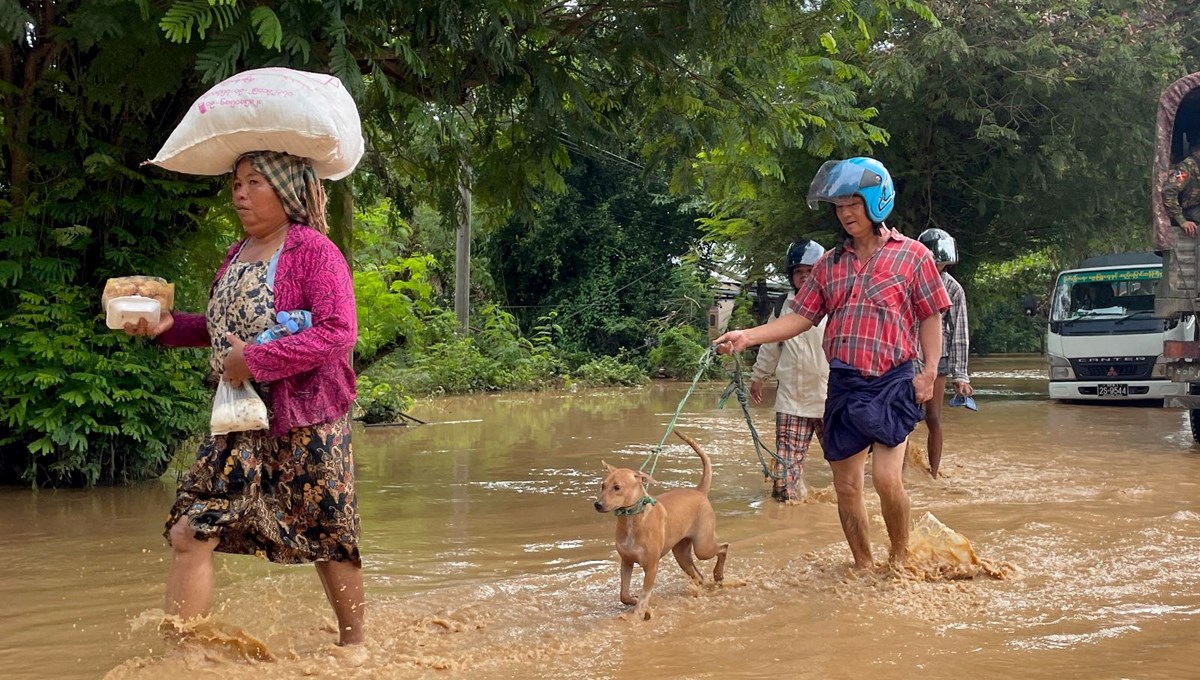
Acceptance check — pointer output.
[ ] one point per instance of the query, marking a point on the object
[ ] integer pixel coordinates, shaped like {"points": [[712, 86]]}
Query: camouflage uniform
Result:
{"points": [[1181, 193]]}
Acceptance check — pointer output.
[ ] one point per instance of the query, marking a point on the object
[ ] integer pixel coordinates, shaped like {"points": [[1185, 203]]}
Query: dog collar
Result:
{"points": [[636, 508]]}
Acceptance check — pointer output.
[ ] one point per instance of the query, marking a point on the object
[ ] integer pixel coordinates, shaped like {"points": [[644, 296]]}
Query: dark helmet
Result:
{"points": [[804, 252], [941, 244]]}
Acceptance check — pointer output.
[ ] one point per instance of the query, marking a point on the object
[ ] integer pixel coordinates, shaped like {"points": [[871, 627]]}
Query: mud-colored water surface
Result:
{"points": [[484, 556]]}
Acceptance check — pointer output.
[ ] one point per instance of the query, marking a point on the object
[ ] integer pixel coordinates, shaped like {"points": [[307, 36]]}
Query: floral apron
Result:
{"points": [[289, 499]]}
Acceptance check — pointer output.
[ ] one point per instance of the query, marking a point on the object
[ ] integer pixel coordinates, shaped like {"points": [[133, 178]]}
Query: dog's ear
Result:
{"points": [[607, 466], [645, 478]]}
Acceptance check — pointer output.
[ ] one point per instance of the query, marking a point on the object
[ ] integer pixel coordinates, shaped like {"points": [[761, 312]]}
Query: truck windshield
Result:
{"points": [[1105, 293]]}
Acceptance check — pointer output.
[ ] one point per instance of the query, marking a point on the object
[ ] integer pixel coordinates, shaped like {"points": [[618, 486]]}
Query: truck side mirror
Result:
{"points": [[1029, 303]]}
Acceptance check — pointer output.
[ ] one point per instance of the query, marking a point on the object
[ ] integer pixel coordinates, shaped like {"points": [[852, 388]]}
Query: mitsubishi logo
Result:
{"points": [[1112, 371]]}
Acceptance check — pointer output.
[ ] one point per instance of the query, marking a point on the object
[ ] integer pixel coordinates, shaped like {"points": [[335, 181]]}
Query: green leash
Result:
{"points": [[705, 360], [737, 385]]}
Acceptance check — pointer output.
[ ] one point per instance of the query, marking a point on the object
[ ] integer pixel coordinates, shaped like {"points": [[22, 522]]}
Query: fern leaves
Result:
{"points": [[200, 15], [232, 33]]}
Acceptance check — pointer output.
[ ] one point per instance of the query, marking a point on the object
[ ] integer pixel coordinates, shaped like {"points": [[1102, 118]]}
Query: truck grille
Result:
{"points": [[1114, 368]]}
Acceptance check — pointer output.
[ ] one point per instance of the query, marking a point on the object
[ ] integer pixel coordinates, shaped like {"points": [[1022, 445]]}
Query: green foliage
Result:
{"points": [[380, 401], [998, 319], [495, 357], [83, 405], [743, 313], [609, 371], [713, 92], [201, 15], [88, 87], [392, 300], [677, 354], [1022, 126], [603, 255]]}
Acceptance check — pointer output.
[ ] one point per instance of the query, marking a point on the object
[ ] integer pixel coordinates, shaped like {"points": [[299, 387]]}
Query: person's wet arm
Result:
{"points": [[787, 326], [809, 308], [929, 301], [930, 334]]}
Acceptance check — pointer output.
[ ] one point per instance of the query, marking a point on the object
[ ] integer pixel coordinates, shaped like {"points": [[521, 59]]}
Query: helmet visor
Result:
{"points": [[944, 249], [838, 181]]}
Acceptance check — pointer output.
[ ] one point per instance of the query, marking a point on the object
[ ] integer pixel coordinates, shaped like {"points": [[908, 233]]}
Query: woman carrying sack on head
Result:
{"points": [[285, 493]]}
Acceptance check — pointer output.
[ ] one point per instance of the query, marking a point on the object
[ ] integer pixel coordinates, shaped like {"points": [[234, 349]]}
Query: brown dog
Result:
{"points": [[679, 520]]}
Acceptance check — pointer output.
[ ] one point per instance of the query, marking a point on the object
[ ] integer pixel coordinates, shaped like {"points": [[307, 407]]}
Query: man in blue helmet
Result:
{"points": [[884, 299], [955, 342], [803, 375]]}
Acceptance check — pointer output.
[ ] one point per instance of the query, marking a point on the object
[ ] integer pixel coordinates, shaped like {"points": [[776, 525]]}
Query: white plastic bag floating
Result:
{"points": [[237, 409], [268, 109]]}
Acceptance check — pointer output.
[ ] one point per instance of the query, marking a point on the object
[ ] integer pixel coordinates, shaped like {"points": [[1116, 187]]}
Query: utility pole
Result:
{"points": [[462, 253]]}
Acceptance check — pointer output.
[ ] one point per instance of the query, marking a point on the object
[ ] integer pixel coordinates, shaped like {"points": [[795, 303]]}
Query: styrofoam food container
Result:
{"points": [[131, 309]]}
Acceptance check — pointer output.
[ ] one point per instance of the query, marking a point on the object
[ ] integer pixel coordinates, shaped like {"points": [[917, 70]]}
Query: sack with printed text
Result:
{"points": [[310, 115]]}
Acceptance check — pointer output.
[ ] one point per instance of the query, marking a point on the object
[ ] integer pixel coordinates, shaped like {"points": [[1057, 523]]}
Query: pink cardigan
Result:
{"points": [[310, 374]]}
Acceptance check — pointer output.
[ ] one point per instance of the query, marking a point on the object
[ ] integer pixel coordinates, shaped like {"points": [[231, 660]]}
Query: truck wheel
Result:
{"points": [[1194, 414]]}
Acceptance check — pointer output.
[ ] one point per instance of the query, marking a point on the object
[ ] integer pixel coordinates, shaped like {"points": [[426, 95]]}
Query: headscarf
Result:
{"points": [[296, 184]]}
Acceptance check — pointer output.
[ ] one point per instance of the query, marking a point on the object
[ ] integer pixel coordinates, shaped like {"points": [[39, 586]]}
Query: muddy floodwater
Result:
{"points": [[484, 557]]}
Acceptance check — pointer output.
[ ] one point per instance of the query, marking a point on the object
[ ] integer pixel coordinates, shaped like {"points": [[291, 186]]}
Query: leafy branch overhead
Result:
{"points": [[712, 91]]}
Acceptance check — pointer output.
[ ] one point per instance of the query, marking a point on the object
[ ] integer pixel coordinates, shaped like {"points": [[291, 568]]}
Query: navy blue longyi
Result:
{"points": [[860, 412]]}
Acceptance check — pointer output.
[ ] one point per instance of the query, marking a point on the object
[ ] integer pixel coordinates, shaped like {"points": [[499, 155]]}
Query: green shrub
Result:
{"points": [[998, 320], [83, 405], [381, 401], [678, 353], [609, 370]]}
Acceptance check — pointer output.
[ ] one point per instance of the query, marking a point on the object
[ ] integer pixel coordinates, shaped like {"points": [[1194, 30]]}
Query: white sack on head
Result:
{"points": [[268, 109]]}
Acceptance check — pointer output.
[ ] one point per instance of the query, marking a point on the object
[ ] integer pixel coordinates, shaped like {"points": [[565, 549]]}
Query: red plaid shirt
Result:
{"points": [[874, 308]]}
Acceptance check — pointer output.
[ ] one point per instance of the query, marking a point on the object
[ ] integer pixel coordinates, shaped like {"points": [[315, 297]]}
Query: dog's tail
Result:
{"points": [[706, 478]]}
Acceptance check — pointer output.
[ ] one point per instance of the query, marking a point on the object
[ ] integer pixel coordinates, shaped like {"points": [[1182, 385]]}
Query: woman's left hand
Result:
{"points": [[235, 369]]}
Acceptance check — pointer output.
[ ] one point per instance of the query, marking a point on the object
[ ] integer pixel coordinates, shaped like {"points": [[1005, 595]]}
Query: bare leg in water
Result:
{"points": [[933, 421], [190, 580], [852, 508], [887, 465], [887, 468], [190, 583], [344, 588]]}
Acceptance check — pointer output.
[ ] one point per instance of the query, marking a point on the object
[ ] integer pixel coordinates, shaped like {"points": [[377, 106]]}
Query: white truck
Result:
{"points": [[1103, 340]]}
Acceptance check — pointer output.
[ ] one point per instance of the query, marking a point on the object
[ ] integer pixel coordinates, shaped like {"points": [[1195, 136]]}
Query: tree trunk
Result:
{"points": [[462, 253], [341, 218]]}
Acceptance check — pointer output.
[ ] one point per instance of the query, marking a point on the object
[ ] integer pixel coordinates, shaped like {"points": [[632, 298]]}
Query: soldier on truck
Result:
{"points": [[1181, 192]]}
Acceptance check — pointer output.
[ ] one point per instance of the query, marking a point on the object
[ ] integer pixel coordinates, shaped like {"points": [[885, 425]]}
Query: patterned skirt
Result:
{"points": [[289, 499]]}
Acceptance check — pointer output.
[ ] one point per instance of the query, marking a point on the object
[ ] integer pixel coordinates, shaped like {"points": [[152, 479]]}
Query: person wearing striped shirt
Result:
{"points": [[955, 342]]}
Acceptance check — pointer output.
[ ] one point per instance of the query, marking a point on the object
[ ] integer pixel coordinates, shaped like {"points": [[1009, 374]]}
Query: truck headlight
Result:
{"points": [[1060, 369], [1160, 367]]}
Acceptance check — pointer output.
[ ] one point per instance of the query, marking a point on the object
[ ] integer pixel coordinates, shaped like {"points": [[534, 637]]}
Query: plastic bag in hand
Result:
{"points": [[237, 409]]}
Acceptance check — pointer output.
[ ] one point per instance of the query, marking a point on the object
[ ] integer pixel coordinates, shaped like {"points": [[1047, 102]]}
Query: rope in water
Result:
{"points": [[705, 360], [737, 385]]}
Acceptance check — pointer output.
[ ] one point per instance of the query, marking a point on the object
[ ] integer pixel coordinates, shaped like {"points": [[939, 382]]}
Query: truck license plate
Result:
{"points": [[1112, 390]]}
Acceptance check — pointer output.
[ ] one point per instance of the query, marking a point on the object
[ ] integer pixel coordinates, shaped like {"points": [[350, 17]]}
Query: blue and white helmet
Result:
{"points": [[860, 176], [803, 252]]}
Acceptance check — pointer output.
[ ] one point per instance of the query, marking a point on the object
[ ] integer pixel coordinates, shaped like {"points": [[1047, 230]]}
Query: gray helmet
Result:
{"points": [[941, 244]]}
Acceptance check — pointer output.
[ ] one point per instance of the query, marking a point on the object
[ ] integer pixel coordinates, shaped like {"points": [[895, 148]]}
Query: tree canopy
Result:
{"points": [[593, 135]]}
